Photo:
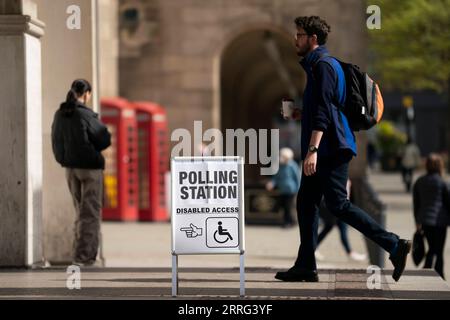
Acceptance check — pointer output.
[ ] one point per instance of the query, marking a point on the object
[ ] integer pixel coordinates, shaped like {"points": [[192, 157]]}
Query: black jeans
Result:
{"points": [[436, 242], [330, 181]]}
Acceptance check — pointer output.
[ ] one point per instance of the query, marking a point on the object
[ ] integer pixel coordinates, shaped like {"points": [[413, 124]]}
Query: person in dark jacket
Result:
{"points": [[431, 201], [328, 146], [78, 138]]}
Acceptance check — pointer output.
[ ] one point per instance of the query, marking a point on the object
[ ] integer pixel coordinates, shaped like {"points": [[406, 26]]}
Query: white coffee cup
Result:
{"points": [[288, 108]]}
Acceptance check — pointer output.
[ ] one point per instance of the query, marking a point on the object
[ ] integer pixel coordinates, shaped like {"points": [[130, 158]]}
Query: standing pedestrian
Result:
{"points": [[78, 138]]}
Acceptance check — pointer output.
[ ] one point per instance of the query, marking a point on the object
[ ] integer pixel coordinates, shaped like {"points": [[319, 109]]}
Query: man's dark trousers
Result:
{"points": [[330, 181]]}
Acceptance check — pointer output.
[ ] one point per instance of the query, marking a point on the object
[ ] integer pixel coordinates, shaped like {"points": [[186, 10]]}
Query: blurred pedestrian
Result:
{"points": [[329, 222], [410, 161], [78, 138], [372, 154], [431, 201], [287, 182]]}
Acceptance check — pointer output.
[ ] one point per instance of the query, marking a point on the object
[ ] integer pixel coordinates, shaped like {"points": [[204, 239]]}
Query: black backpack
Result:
{"points": [[364, 103]]}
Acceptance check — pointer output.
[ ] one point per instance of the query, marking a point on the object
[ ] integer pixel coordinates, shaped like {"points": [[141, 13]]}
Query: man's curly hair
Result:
{"points": [[314, 25]]}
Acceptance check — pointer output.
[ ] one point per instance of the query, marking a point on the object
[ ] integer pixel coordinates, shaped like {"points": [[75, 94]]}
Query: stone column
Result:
{"points": [[21, 134], [108, 39]]}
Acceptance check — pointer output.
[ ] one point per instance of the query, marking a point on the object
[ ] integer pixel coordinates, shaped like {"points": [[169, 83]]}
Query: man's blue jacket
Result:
{"points": [[325, 88]]}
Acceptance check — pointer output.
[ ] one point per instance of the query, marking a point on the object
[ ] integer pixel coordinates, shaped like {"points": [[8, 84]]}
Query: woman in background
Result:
{"points": [[432, 211]]}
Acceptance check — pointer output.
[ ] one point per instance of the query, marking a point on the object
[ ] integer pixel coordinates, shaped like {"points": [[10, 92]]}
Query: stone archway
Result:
{"points": [[258, 68]]}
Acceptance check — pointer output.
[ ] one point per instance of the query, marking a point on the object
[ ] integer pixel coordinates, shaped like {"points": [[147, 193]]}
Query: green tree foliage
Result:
{"points": [[412, 49]]}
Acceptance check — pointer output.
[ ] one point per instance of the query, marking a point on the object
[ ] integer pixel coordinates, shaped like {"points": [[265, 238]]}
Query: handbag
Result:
{"points": [[418, 250]]}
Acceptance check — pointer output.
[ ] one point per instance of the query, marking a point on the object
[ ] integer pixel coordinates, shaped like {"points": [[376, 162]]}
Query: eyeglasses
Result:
{"points": [[298, 35]]}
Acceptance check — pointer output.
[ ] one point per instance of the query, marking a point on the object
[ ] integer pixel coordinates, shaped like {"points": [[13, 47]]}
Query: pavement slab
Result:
{"points": [[216, 284]]}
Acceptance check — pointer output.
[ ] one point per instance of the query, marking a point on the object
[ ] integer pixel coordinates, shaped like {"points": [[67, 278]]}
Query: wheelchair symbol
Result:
{"points": [[222, 232]]}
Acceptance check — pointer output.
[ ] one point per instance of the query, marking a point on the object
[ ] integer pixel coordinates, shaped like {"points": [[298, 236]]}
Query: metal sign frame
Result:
{"points": [[241, 216]]}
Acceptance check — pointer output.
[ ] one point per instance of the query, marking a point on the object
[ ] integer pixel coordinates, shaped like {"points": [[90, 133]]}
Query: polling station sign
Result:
{"points": [[207, 205]]}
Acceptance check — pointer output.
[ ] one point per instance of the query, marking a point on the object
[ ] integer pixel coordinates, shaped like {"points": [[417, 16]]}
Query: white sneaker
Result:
{"points": [[319, 256], [355, 256]]}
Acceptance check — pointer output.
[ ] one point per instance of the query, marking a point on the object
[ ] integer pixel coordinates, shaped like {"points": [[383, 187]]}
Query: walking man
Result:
{"points": [[328, 146]]}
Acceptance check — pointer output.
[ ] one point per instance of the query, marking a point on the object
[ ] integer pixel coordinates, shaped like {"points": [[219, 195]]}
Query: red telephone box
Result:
{"points": [[121, 168], [153, 160]]}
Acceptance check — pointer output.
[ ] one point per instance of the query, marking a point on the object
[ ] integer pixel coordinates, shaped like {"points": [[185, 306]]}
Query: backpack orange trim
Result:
{"points": [[380, 103]]}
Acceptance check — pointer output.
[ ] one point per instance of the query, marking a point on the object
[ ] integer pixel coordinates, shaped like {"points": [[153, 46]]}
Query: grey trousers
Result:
{"points": [[86, 187]]}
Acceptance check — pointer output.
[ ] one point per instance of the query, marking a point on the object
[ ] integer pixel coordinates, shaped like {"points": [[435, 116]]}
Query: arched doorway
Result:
{"points": [[259, 68]]}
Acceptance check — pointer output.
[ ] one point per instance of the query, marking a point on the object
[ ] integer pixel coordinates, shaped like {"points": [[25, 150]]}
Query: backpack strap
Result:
{"points": [[323, 58]]}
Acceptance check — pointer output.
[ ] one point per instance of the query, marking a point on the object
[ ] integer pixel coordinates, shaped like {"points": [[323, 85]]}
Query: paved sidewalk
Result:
{"points": [[138, 265], [214, 283]]}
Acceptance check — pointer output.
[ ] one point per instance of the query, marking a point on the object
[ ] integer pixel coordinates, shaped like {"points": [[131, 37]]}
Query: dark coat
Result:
{"points": [[431, 201], [78, 137]]}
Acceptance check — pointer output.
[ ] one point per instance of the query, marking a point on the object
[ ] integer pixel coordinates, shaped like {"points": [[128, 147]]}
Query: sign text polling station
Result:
{"points": [[208, 184]]}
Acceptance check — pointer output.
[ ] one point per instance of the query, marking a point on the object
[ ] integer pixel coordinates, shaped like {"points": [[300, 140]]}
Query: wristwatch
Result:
{"points": [[313, 149]]}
